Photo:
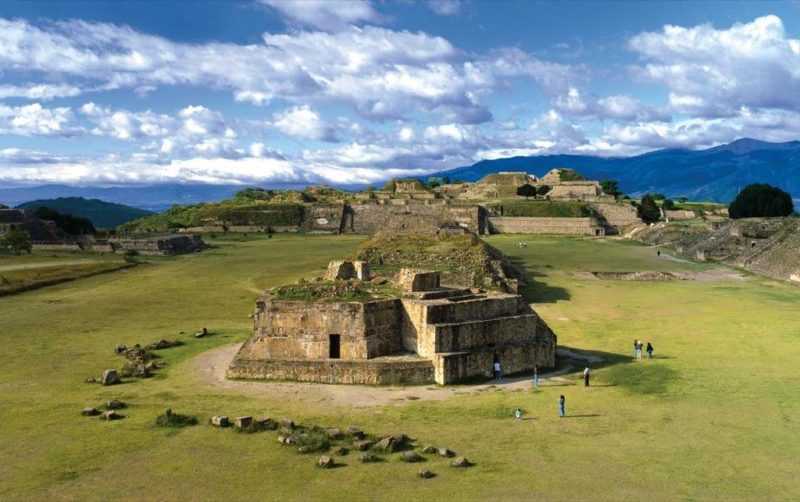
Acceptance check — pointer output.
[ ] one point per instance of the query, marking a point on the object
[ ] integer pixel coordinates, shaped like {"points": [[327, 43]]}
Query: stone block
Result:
{"points": [[340, 270], [362, 270], [220, 421], [243, 422], [413, 280], [110, 377]]}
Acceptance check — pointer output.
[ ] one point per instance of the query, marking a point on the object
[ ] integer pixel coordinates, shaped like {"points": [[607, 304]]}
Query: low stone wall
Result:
{"points": [[537, 225], [159, 245], [679, 214], [419, 218], [322, 219], [615, 217], [389, 371]]}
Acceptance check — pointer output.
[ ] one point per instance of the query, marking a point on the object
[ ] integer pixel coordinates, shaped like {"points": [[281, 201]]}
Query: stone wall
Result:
{"points": [[615, 217], [411, 217], [322, 219], [679, 214], [159, 245], [389, 371], [540, 225]]}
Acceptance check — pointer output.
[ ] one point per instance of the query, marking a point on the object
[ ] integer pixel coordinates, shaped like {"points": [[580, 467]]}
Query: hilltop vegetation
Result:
{"points": [[101, 214], [251, 206]]}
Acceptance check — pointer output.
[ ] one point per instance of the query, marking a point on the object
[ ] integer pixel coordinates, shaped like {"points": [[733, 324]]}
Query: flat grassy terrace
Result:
{"points": [[713, 417]]}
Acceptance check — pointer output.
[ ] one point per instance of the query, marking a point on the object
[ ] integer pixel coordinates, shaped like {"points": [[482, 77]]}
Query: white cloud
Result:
{"points": [[35, 120], [304, 123], [714, 71], [617, 107], [325, 14], [445, 7], [42, 92]]}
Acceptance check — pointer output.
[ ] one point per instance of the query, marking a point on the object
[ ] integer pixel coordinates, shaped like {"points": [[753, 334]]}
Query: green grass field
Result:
{"points": [[713, 417]]}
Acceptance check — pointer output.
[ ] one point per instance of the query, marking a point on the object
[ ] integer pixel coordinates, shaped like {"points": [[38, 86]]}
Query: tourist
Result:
{"points": [[649, 350], [586, 377], [636, 349], [518, 414], [497, 375], [639, 351], [658, 253], [562, 406], [535, 375]]}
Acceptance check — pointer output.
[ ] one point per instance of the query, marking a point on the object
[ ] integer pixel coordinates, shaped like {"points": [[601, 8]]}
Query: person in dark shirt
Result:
{"points": [[649, 350], [535, 375], [562, 406]]}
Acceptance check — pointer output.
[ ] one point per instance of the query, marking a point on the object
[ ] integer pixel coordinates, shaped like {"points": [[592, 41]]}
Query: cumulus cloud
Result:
{"points": [[616, 107], [325, 14], [35, 120], [714, 72], [42, 92], [304, 123]]}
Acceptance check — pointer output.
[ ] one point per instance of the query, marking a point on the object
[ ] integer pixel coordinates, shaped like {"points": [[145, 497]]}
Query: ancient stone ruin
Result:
{"points": [[423, 333]]}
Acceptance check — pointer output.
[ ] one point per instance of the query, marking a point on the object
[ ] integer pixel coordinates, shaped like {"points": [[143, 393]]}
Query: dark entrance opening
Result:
{"points": [[334, 346]]}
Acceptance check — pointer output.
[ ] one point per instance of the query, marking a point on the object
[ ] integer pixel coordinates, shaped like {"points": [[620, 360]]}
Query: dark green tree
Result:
{"points": [[668, 204], [526, 191], [648, 209], [659, 196], [610, 187], [17, 241], [542, 190], [761, 200], [72, 225], [445, 180]]}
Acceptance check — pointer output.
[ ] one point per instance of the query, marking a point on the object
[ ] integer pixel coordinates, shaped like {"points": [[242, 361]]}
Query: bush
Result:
{"points": [[610, 187], [648, 209], [66, 222], [170, 419], [668, 204], [761, 200], [16, 241], [570, 175], [542, 190], [526, 191]]}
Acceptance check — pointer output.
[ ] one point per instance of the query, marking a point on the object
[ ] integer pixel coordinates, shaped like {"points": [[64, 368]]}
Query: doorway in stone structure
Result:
{"points": [[334, 346]]}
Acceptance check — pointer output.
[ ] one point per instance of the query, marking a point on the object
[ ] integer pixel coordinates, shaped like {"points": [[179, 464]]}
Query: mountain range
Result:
{"points": [[102, 214], [715, 174]]}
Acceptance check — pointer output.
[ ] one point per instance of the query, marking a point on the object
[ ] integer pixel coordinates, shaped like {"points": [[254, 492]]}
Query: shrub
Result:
{"points": [[610, 187], [542, 190], [761, 200], [668, 204], [170, 419], [17, 241], [526, 191], [66, 222], [570, 175]]}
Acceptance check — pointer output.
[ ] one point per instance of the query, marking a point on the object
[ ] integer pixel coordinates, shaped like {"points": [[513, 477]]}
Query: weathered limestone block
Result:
{"points": [[362, 270], [220, 421], [243, 422], [110, 377], [340, 270], [90, 411], [413, 280], [325, 462]]}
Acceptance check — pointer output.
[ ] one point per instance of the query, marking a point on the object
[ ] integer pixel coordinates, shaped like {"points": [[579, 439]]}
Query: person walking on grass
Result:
{"points": [[649, 350], [636, 349], [586, 377], [641, 346], [535, 375], [497, 374], [562, 406], [658, 253]]}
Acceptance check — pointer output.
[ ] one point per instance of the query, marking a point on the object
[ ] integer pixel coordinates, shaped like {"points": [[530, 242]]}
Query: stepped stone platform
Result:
{"points": [[428, 334]]}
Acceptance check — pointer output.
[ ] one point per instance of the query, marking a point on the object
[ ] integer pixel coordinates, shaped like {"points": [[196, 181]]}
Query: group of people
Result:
{"points": [[522, 244], [637, 349]]}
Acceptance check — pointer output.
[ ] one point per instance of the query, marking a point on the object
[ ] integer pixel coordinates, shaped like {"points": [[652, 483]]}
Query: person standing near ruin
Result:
{"points": [[636, 349], [649, 350], [497, 375], [586, 377], [535, 375], [562, 406]]}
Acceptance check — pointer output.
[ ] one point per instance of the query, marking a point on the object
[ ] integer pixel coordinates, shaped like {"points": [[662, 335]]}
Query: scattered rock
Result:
{"points": [[387, 444], [283, 439], [325, 462], [243, 422], [368, 457], [309, 448], [334, 433], [116, 404], [340, 450], [446, 453], [425, 473], [90, 411], [200, 334], [110, 377], [266, 423], [121, 348], [91, 380], [286, 423], [411, 456], [430, 450], [363, 445], [380, 281], [111, 415], [220, 421], [460, 462], [355, 432]]}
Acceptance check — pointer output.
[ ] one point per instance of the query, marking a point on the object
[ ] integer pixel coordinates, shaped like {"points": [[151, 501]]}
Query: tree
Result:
{"points": [[445, 180], [526, 191], [434, 182], [659, 196], [761, 200], [17, 241], [542, 190], [610, 187], [72, 225], [648, 209], [668, 204], [683, 200]]}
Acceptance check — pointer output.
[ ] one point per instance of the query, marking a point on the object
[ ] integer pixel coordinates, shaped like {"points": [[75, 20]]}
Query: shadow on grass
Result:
{"points": [[534, 291], [587, 415], [640, 376]]}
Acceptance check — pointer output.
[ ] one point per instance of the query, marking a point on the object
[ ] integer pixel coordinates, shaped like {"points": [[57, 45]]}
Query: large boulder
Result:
{"points": [[325, 462], [110, 377], [411, 456]]}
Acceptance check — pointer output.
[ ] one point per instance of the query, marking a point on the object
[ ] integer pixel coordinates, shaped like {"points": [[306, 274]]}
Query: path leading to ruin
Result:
{"points": [[210, 367], [45, 264]]}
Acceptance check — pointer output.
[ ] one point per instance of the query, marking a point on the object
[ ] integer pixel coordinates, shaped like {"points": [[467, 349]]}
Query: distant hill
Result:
{"points": [[715, 174], [101, 214]]}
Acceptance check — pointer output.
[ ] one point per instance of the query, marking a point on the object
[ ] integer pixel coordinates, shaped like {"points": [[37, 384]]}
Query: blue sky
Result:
{"points": [[277, 92]]}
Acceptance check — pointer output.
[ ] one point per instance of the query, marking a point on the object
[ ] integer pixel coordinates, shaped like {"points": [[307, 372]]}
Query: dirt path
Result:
{"points": [[210, 367], [45, 264]]}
